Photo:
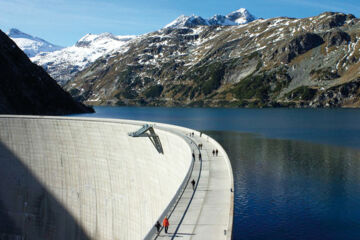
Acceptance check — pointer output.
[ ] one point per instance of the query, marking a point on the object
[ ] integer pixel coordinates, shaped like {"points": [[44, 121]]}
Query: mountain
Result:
{"points": [[63, 65], [26, 88], [241, 16], [238, 17], [31, 45], [309, 62]]}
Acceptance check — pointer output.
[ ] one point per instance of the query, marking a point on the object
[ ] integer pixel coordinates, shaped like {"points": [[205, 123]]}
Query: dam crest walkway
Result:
{"points": [[206, 211]]}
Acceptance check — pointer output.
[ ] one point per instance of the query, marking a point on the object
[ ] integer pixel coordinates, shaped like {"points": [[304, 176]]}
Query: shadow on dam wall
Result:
{"points": [[27, 209]]}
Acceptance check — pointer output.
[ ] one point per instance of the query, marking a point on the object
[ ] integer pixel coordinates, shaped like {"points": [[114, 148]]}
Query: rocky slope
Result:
{"points": [[31, 45], [63, 65], [26, 88], [273, 62]]}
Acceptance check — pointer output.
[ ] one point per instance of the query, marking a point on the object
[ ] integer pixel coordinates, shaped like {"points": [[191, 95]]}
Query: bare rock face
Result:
{"points": [[299, 45], [337, 38], [333, 20], [343, 95], [26, 88]]}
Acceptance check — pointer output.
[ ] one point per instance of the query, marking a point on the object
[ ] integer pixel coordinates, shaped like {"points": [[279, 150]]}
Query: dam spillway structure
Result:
{"points": [[86, 178]]}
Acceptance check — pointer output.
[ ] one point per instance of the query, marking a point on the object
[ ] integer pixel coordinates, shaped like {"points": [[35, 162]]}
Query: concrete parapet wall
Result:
{"points": [[64, 178]]}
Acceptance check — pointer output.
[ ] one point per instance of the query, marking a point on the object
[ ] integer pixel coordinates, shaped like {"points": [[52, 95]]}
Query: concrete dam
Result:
{"points": [[84, 178]]}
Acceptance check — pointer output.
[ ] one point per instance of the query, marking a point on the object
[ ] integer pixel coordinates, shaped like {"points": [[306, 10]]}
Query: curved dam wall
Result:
{"points": [[64, 178]]}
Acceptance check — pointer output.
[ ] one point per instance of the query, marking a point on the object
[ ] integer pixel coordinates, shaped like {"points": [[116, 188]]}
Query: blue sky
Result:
{"points": [[63, 22]]}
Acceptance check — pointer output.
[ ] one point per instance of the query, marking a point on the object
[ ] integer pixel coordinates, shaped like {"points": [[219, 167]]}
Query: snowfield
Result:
{"points": [[31, 45], [65, 63]]}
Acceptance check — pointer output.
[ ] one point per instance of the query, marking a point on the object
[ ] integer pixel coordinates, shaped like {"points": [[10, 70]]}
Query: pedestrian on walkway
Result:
{"points": [[193, 155], [193, 184], [199, 156], [216, 152], [213, 152], [166, 224], [158, 226]]}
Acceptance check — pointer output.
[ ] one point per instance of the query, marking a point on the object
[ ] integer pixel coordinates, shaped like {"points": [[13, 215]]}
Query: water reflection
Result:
{"points": [[286, 189]]}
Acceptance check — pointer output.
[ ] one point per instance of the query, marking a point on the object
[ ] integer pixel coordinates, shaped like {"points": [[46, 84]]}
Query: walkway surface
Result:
{"points": [[205, 212]]}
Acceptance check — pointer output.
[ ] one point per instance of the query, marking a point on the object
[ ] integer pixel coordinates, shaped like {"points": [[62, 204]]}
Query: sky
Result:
{"points": [[63, 22]]}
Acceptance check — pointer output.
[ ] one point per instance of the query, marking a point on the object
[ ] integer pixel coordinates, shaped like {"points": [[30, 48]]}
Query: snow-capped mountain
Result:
{"points": [[238, 17], [187, 21], [62, 65], [241, 16], [268, 62], [31, 45]]}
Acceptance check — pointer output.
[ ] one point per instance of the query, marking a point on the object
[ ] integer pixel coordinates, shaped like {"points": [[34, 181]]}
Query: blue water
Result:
{"points": [[296, 171], [329, 126]]}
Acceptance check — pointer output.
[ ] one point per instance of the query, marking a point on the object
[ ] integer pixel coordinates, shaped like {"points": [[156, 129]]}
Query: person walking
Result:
{"points": [[193, 155], [166, 224], [216, 152], [193, 184], [213, 152], [199, 156], [158, 226]]}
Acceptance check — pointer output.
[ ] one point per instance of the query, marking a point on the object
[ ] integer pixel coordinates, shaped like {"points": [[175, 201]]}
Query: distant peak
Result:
{"points": [[240, 16], [242, 10], [91, 39], [31, 45], [16, 33], [187, 21]]}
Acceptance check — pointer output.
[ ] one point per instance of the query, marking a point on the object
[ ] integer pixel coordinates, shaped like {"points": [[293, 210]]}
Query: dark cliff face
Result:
{"points": [[26, 88]]}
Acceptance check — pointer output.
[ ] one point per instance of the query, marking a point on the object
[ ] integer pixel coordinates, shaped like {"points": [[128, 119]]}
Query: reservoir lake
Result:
{"points": [[296, 171]]}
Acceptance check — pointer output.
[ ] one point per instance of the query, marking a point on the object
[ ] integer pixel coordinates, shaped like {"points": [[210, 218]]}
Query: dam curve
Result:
{"points": [[83, 178]]}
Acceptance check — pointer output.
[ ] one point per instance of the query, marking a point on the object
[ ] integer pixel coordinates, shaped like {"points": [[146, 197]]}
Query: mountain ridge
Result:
{"points": [[64, 64], [31, 45], [309, 62], [238, 17], [26, 88]]}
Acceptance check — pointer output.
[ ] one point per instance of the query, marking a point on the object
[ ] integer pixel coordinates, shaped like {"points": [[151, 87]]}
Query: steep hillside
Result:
{"points": [[273, 62], [26, 88]]}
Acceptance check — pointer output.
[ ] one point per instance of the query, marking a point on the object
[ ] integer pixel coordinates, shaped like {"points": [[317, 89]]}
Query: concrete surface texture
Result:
{"points": [[63, 178]]}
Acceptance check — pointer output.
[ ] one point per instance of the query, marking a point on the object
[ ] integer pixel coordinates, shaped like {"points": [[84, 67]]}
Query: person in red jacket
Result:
{"points": [[166, 224]]}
